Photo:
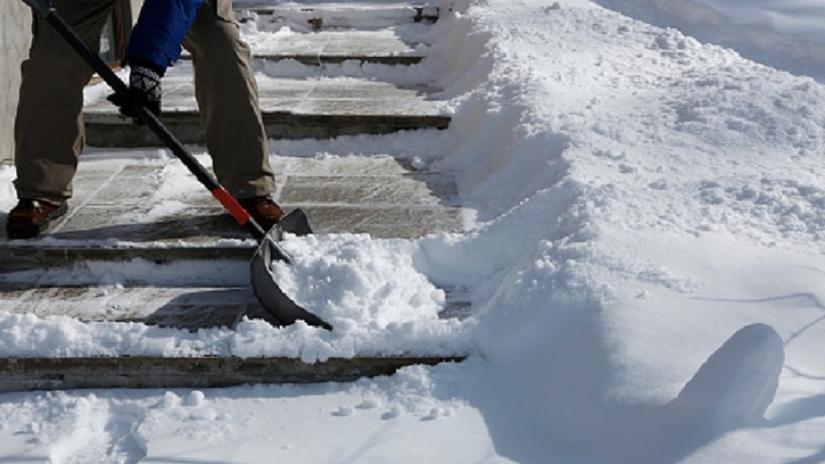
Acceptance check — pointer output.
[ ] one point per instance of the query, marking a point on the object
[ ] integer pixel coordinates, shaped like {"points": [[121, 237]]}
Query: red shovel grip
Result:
{"points": [[232, 206]]}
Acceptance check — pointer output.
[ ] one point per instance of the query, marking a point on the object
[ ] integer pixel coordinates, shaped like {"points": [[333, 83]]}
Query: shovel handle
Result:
{"points": [[226, 199], [41, 6]]}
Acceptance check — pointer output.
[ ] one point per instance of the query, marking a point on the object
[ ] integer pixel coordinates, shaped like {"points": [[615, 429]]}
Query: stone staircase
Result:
{"points": [[330, 15], [306, 108], [120, 214]]}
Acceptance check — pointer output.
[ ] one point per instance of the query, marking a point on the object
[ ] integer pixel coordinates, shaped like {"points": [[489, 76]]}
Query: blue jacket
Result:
{"points": [[160, 30]]}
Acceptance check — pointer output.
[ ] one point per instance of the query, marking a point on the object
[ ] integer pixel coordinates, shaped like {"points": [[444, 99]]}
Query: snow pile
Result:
{"points": [[388, 308], [645, 198], [352, 281]]}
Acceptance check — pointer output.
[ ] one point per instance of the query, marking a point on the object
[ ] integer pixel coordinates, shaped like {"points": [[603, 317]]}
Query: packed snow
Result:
{"points": [[368, 421], [646, 272], [357, 282]]}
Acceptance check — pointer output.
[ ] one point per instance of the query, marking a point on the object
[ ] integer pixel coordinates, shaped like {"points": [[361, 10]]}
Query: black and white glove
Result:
{"points": [[144, 90]]}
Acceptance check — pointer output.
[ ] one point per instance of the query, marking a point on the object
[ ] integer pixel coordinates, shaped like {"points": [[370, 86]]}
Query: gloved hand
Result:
{"points": [[144, 90]]}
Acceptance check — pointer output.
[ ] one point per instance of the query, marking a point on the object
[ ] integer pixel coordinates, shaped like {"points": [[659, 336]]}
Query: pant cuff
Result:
{"points": [[25, 194]]}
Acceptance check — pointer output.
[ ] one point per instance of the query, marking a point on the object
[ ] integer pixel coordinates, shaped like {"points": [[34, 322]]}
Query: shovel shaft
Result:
{"points": [[226, 199], [41, 6]]}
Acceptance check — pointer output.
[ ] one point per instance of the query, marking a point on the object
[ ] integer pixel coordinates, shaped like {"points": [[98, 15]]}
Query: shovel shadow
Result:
{"points": [[208, 309], [212, 225]]}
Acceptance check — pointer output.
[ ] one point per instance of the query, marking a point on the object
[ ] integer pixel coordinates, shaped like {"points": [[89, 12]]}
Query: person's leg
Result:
{"points": [[228, 99], [49, 125]]}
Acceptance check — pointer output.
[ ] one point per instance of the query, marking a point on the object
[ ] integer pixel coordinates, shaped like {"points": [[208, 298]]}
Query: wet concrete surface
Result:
{"points": [[118, 202]]}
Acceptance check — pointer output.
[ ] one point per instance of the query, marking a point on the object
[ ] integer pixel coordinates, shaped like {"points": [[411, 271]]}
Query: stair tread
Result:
{"points": [[380, 46], [20, 374], [154, 210], [166, 305], [333, 96]]}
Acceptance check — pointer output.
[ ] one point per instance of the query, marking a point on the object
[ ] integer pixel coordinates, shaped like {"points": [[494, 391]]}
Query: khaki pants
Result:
{"points": [[49, 129]]}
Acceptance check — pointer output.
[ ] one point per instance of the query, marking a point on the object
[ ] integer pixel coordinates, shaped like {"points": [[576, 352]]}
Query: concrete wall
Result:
{"points": [[15, 36], [136, 5]]}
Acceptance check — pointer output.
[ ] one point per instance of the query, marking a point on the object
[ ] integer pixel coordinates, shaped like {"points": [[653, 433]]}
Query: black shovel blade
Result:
{"points": [[269, 294], [296, 222]]}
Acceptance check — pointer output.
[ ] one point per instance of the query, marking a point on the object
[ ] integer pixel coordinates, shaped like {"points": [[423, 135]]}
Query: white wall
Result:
{"points": [[136, 5], [15, 36]]}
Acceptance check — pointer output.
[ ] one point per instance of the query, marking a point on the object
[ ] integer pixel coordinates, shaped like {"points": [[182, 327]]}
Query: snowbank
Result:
{"points": [[357, 282], [645, 198]]}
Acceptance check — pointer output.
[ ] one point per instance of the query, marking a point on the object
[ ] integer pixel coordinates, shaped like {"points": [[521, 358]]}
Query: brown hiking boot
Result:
{"points": [[31, 218], [264, 210]]}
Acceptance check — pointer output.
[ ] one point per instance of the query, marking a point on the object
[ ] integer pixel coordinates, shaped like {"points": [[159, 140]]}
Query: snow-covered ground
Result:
{"points": [[647, 271], [789, 34]]}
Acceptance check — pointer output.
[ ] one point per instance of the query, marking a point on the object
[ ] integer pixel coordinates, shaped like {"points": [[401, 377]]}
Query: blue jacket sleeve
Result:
{"points": [[160, 30]]}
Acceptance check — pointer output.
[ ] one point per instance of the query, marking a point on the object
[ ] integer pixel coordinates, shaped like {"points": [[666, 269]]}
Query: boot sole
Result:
{"points": [[36, 230]]}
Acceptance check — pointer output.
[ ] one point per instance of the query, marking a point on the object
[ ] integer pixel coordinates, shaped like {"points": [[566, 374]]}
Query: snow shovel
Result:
{"points": [[270, 295]]}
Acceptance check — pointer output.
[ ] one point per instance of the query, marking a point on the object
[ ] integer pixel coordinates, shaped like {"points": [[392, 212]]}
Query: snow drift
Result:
{"points": [[645, 200]]}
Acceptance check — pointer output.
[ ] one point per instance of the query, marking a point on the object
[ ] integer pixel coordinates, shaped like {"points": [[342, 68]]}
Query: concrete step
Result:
{"points": [[321, 48], [18, 256], [23, 374], [292, 109], [325, 15], [154, 210], [180, 307]]}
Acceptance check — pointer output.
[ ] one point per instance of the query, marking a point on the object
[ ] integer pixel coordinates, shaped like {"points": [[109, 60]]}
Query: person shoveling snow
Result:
{"points": [[53, 81], [46, 165]]}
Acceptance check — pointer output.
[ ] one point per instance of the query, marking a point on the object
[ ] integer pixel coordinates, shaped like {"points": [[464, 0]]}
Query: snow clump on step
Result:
{"points": [[355, 281]]}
